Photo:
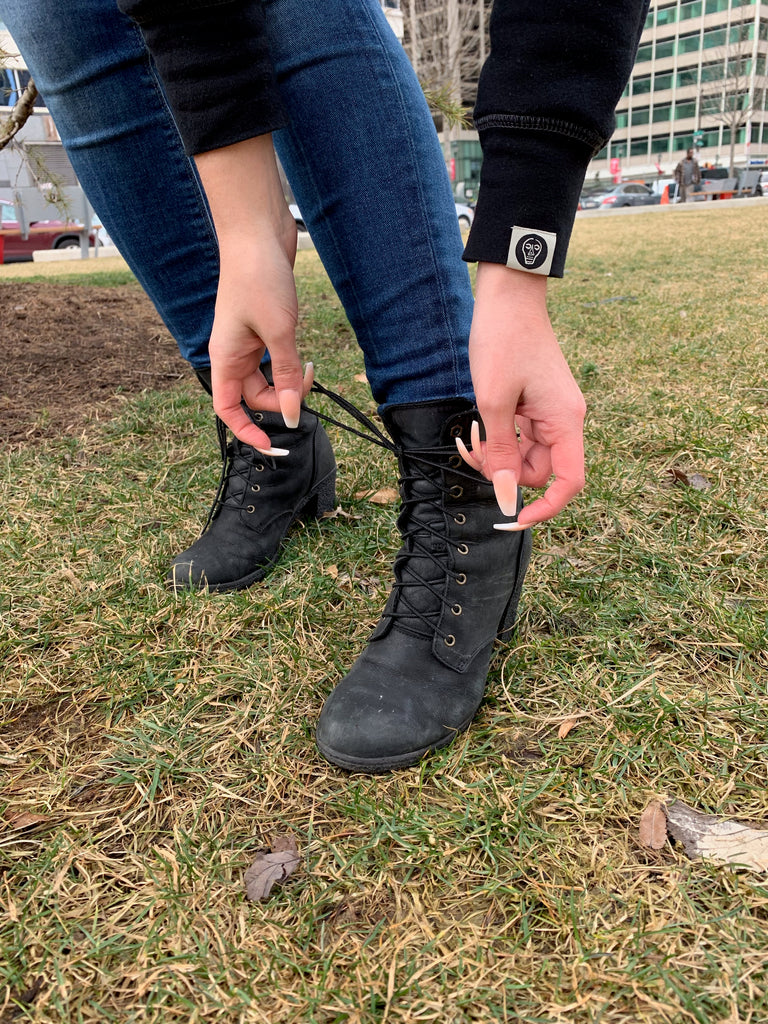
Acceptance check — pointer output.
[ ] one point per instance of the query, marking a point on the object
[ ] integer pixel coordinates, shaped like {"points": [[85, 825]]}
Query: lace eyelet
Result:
{"points": [[456, 610], [251, 509], [258, 417], [456, 491], [454, 461], [461, 579], [259, 468], [456, 431], [450, 640], [463, 549], [255, 487], [460, 519]]}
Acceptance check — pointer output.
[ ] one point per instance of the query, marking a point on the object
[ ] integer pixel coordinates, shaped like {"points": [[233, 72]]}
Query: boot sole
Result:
{"points": [[380, 765]]}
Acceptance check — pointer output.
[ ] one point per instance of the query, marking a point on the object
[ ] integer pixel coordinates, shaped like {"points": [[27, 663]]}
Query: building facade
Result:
{"points": [[699, 82]]}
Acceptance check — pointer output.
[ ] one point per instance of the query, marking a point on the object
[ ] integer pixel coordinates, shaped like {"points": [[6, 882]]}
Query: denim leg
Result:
{"points": [[361, 155], [368, 173], [93, 71]]}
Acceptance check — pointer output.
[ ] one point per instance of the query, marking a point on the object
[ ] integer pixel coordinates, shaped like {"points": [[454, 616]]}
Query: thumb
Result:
{"points": [[289, 384], [503, 463]]}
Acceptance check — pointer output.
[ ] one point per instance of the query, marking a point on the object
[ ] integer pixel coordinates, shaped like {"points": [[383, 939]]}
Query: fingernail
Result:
{"points": [[290, 407], [505, 488], [276, 452], [512, 527], [467, 456]]}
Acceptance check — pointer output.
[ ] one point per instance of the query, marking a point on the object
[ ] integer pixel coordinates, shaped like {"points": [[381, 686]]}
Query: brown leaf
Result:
{"points": [[566, 727], [726, 841], [361, 378], [386, 496], [271, 867], [26, 819], [653, 826], [694, 480], [333, 571]]}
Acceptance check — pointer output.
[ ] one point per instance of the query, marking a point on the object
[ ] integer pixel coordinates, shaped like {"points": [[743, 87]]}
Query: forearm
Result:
{"points": [[545, 106]]}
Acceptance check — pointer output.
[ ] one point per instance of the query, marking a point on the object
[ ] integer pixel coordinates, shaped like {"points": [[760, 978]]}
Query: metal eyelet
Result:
{"points": [[259, 468], [461, 579], [255, 487], [456, 431], [251, 509], [456, 610], [258, 417], [454, 461], [463, 549], [460, 519], [456, 491], [450, 640]]}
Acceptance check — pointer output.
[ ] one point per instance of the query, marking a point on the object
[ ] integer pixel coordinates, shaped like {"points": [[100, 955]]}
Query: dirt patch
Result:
{"points": [[66, 351]]}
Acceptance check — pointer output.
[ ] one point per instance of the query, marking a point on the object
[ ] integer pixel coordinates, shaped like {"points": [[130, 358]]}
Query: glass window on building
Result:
{"points": [[662, 113], [662, 82], [712, 71], [714, 37], [618, 149], [687, 109], [691, 42], [682, 140], [666, 15], [644, 52], [665, 48], [641, 84], [713, 6], [641, 115], [688, 76], [691, 10], [639, 148], [660, 144], [622, 120]]}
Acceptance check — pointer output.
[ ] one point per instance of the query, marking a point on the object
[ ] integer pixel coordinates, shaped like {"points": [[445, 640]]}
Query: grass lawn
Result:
{"points": [[150, 745]]}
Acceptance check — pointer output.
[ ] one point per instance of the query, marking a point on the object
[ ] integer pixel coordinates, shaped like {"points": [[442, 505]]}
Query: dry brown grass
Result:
{"points": [[151, 744]]}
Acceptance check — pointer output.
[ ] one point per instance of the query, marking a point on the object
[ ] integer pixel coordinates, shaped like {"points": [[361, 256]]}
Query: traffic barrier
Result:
{"points": [[664, 201]]}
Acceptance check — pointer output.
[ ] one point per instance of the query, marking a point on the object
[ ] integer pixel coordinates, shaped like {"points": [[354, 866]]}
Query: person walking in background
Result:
{"points": [[172, 112], [687, 175]]}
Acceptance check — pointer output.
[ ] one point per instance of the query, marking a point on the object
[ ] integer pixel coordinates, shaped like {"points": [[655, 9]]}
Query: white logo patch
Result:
{"points": [[531, 250]]}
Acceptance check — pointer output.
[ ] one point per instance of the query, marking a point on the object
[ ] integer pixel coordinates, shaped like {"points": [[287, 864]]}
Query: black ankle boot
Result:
{"points": [[259, 498], [421, 679]]}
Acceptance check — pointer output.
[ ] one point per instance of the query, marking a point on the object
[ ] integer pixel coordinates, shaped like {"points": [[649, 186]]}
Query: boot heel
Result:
{"points": [[507, 623], [324, 498]]}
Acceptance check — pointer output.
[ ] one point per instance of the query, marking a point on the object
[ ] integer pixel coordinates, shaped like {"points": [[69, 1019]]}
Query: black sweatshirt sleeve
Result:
{"points": [[213, 59], [545, 106]]}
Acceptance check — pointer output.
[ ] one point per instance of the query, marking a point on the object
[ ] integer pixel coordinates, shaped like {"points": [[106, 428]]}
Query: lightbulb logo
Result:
{"points": [[531, 250]]}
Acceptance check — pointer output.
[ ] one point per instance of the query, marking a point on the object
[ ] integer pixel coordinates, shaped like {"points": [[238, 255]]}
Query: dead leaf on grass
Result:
{"points": [[694, 480], [361, 378], [332, 571], [270, 867], [26, 820], [385, 496], [723, 840], [567, 726], [653, 826]]}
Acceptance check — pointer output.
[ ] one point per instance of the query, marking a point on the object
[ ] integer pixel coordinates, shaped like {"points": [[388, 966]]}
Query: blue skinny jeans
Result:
{"points": [[361, 155]]}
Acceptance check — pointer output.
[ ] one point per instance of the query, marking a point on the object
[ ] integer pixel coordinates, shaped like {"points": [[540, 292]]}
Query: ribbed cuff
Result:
{"points": [[530, 185]]}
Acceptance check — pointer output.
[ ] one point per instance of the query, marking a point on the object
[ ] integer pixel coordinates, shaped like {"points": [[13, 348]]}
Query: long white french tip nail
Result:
{"points": [[467, 456], [474, 436], [290, 407], [505, 488], [512, 527], [275, 452]]}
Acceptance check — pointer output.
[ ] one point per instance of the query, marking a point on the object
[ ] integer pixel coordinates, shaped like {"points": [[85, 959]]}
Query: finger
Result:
{"points": [[227, 406], [568, 467], [469, 457], [502, 464]]}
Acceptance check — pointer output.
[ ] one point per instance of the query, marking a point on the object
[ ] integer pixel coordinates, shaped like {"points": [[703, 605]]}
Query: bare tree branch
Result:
{"points": [[20, 114]]}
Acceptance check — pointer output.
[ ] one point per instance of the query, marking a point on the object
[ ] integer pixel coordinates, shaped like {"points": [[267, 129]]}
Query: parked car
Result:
{"points": [[43, 234], [296, 214], [628, 193], [466, 215]]}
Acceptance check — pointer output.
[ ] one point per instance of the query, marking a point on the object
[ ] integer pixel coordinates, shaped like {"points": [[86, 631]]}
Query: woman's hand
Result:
{"points": [[521, 379], [256, 304]]}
